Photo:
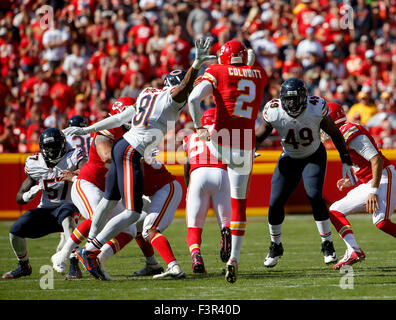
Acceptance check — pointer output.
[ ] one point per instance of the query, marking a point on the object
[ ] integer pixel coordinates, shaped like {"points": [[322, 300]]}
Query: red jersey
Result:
{"points": [[199, 155], [350, 131], [238, 92], [95, 169], [155, 177]]}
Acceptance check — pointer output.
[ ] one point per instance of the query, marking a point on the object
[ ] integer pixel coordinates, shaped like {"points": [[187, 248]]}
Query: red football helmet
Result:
{"points": [[337, 113], [233, 52], [120, 104], [208, 117]]}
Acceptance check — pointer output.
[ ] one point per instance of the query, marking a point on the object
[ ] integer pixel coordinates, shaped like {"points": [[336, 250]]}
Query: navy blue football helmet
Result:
{"points": [[77, 121], [174, 78], [52, 145], [293, 96]]}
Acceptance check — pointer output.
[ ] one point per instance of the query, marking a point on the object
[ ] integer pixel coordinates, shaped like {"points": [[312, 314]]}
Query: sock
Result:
{"points": [[194, 240], [115, 225], [324, 230], [119, 242], [100, 215], [68, 225], [162, 246], [81, 232], [344, 229], [238, 226], [387, 226], [147, 249], [18, 245], [275, 232]]}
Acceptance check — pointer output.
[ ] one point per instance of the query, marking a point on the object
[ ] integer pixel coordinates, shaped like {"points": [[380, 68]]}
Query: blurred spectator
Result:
{"points": [[385, 111], [196, 21], [309, 47], [55, 41], [363, 110], [74, 64], [61, 93]]}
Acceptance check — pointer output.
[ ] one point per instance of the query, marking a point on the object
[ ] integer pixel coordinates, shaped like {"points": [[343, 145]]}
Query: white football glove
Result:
{"points": [[347, 172], [202, 47], [29, 195], [251, 57], [71, 131]]}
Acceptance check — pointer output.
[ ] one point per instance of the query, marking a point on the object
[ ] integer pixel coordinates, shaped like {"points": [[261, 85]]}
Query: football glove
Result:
{"points": [[71, 131], [347, 172], [202, 47], [29, 195]]}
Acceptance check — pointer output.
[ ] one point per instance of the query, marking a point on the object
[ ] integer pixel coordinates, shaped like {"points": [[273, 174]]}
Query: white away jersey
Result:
{"points": [[54, 191], [300, 137], [77, 142], [156, 114]]}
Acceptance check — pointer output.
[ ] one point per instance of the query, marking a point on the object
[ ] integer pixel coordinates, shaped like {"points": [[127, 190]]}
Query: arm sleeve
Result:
{"points": [[199, 93], [363, 146], [112, 122]]}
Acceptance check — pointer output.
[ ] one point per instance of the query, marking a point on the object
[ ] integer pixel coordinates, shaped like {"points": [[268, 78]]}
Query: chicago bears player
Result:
{"points": [[298, 119], [55, 211], [83, 142], [207, 181], [374, 193], [76, 142], [156, 113], [87, 191], [238, 91]]}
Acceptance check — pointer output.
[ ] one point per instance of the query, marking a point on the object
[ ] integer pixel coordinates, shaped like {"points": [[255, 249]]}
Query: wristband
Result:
{"points": [[74, 178], [373, 190]]}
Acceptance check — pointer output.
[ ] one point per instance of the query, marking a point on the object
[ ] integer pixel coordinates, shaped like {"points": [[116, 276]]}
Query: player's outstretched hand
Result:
{"points": [[347, 172], [71, 131], [202, 47]]}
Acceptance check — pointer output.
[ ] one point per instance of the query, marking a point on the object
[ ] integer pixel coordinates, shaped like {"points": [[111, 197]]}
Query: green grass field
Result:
{"points": [[300, 274]]}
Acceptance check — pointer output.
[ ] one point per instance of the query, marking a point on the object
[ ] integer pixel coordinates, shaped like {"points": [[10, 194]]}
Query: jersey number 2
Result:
{"points": [[241, 109]]}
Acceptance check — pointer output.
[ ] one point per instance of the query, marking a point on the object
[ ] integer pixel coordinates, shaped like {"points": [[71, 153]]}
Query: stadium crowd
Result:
{"points": [[61, 58]]}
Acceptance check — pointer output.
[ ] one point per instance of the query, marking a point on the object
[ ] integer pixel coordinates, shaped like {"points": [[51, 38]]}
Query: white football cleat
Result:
{"points": [[174, 272], [59, 262], [329, 253], [275, 253], [149, 270]]}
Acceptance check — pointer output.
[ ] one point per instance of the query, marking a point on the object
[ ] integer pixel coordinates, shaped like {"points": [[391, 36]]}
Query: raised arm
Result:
{"points": [[181, 92], [108, 123], [199, 93]]}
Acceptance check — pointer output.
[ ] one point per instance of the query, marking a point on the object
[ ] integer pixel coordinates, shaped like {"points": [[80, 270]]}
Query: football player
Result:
{"points": [[207, 182], [238, 90], [162, 195], [56, 210], [374, 193], [87, 191], [157, 111], [298, 119], [83, 142], [76, 142]]}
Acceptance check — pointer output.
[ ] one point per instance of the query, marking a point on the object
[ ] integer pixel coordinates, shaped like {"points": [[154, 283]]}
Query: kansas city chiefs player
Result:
{"points": [[238, 90], [374, 193], [207, 181]]}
